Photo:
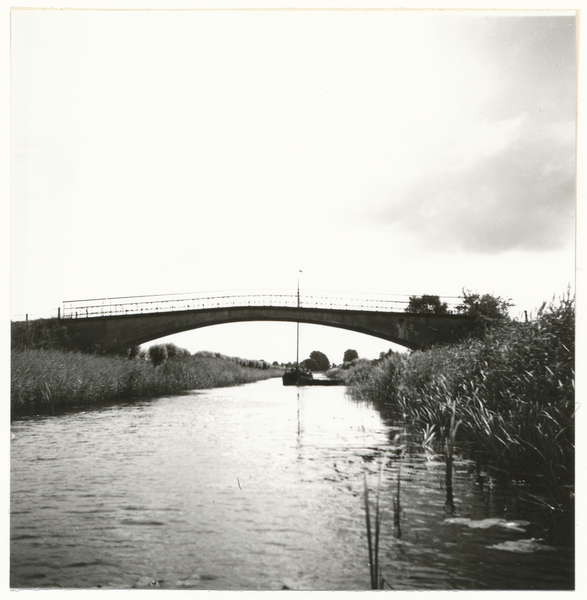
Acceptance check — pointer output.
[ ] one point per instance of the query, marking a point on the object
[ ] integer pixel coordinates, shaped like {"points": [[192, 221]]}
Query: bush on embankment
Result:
{"points": [[42, 334], [51, 381], [512, 391]]}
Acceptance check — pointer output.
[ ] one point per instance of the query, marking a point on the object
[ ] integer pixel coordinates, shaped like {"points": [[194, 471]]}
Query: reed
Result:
{"points": [[49, 381], [449, 450], [397, 507], [507, 398], [374, 534]]}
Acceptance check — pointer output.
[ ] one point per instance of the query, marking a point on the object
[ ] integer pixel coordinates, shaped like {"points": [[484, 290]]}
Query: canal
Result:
{"points": [[260, 487]]}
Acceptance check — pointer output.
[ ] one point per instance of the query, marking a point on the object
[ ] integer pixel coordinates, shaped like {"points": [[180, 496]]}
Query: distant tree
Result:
{"points": [[321, 360], [427, 304], [174, 352], [158, 354], [350, 355], [310, 364]]}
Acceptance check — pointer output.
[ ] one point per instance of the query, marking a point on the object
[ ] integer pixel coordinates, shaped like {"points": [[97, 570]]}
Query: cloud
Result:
{"points": [[511, 186], [502, 174], [534, 61]]}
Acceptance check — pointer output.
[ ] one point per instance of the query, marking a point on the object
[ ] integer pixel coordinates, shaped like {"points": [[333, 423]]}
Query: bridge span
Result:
{"points": [[115, 324]]}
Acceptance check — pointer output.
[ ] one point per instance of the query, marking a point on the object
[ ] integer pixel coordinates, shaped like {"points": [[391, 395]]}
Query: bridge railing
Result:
{"points": [[135, 305]]}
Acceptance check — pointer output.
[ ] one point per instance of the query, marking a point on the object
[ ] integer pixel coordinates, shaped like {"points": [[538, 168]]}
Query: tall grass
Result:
{"points": [[49, 381], [511, 392]]}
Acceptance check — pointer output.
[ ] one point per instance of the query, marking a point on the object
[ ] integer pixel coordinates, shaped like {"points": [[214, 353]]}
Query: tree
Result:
{"points": [[487, 310], [174, 352], [310, 364], [321, 360], [427, 304], [350, 355], [158, 354]]}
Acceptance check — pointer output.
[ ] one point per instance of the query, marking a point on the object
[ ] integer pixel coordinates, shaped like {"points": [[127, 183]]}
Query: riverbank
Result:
{"points": [[507, 398], [51, 381]]}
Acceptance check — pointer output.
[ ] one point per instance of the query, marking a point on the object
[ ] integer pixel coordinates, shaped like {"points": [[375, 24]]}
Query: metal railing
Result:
{"points": [[136, 305]]}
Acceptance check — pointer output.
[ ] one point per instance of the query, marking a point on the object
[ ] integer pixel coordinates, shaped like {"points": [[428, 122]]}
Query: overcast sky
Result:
{"points": [[378, 152]]}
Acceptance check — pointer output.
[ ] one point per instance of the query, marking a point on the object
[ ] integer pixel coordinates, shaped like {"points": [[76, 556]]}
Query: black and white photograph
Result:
{"points": [[213, 210]]}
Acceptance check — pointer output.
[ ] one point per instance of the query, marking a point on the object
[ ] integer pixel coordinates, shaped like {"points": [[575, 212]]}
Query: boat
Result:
{"points": [[297, 376], [300, 376], [304, 377]]}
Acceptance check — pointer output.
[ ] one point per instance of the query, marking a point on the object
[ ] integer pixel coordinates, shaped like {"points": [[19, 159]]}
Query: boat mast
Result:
{"points": [[298, 334]]}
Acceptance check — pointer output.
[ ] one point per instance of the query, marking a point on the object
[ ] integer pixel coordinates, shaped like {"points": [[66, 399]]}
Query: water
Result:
{"points": [[258, 487]]}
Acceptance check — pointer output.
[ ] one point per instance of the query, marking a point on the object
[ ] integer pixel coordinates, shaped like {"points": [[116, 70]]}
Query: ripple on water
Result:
{"points": [[255, 487]]}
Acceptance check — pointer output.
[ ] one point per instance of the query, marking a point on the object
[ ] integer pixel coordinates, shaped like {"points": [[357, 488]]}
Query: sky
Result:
{"points": [[377, 152]]}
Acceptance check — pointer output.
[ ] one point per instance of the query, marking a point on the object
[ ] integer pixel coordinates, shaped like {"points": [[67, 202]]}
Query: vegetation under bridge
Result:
{"points": [[116, 324]]}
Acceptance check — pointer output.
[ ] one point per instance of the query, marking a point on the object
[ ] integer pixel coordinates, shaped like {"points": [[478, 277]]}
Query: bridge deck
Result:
{"points": [[128, 305]]}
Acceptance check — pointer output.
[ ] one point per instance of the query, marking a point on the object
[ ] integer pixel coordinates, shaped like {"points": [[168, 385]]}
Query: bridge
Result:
{"points": [[116, 324]]}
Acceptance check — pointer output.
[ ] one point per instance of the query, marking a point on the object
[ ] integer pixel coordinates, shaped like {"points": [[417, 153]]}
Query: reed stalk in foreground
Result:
{"points": [[377, 581], [449, 449], [397, 507]]}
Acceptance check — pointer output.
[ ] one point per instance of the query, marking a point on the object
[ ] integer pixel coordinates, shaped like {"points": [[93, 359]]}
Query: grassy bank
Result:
{"points": [[50, 381], [512, 394]]}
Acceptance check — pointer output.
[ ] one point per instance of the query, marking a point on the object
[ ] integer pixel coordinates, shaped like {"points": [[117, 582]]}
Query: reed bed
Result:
{"points": [[51, 381], [510, 392]]}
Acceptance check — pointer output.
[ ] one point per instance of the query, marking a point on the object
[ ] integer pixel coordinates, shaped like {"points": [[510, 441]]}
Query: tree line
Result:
{"points": [[486, 310]]}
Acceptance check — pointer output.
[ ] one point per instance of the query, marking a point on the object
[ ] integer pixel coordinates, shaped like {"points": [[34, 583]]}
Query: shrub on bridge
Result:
{"points": [[427, 304], [486, 310]]}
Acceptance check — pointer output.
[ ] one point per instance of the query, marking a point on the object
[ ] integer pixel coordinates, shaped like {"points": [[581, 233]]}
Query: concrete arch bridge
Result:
{"points": [[116, 324]]}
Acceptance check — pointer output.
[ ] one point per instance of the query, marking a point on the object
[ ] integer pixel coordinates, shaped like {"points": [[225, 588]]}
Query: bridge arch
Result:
{"points": [[113, 333]]}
